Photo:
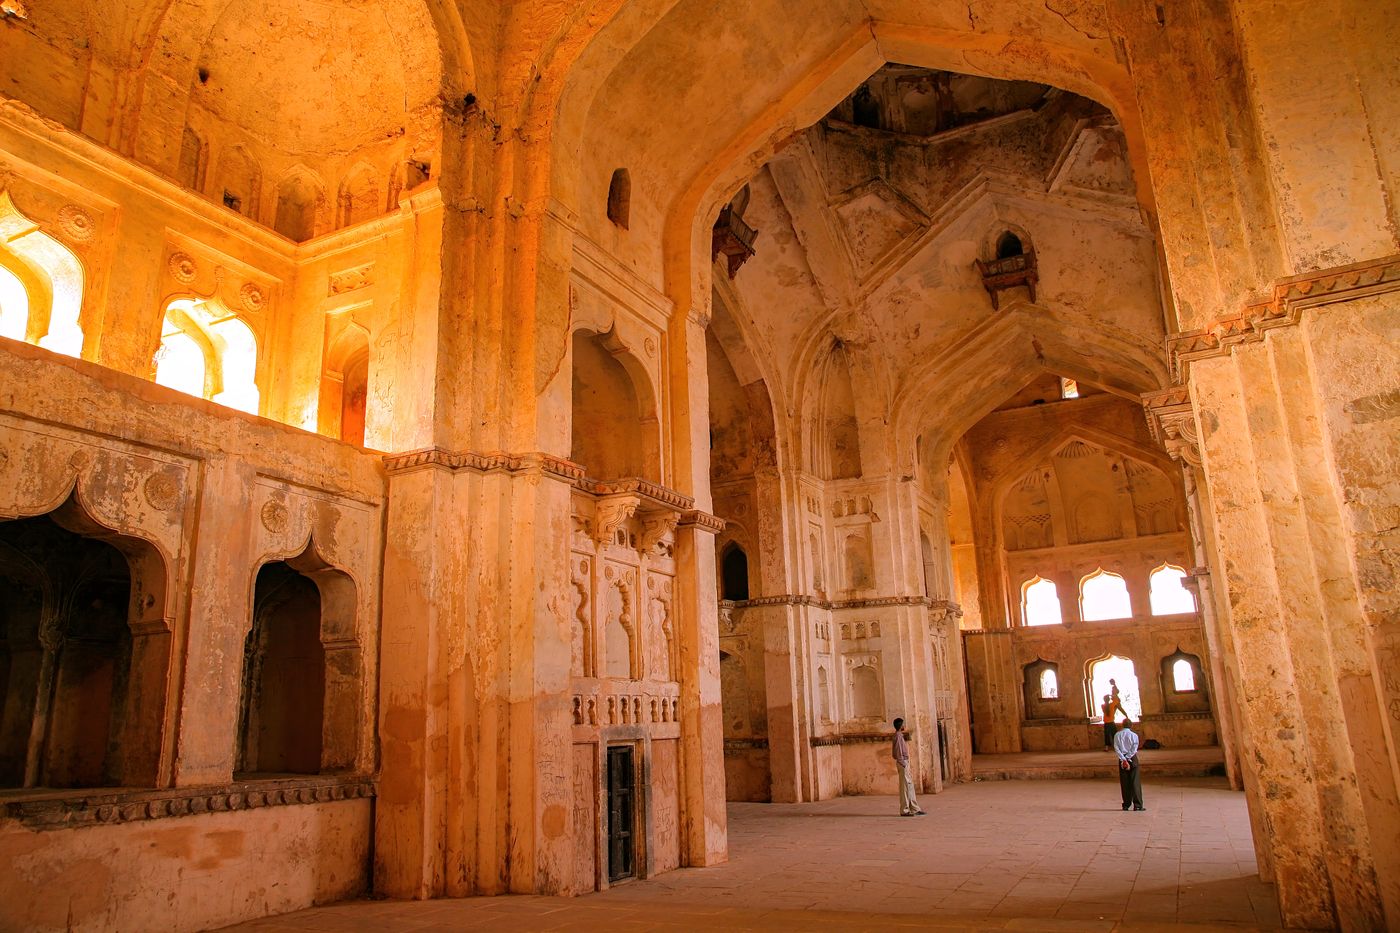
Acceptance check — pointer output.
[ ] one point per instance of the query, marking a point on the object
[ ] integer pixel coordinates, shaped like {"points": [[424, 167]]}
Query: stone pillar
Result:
{"points": [[705, 817], [1284, 399]]}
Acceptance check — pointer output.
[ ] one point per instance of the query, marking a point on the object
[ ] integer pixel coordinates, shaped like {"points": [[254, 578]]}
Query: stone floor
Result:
{"points": [[1015, 855]]}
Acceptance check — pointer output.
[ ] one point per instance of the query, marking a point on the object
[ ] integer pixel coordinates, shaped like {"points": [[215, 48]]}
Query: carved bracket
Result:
{"points": [[611, 512], [1172, 421]]}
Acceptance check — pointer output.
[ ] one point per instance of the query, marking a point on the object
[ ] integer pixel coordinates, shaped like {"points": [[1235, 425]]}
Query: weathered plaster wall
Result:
{"points": [[193, 872]]}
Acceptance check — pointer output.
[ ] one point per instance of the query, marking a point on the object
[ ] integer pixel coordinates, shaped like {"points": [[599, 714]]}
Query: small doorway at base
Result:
{"points": [[621, 813]]}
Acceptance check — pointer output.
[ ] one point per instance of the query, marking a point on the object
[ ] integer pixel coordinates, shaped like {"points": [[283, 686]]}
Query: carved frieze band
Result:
{"points": [[483, 463], [96, 807], [1173, 423], [1291, 297], [802, 599]]}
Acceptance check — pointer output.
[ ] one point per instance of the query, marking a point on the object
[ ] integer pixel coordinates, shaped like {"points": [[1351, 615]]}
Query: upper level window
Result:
{"points": [[1168, 595], [1104, 595], [1183, 676], [1040, 605], [208, 352], [41, 285], [1049, 684], [1069, 388]]}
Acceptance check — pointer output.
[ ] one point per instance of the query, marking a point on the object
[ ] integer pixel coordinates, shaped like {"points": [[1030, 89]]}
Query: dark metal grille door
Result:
{"points": [[621, 813]]}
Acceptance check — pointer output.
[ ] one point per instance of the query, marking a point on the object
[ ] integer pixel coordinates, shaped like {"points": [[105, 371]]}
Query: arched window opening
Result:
{"points": [[284, 676], [1008, 245], [1068, 388], [41, 285], [180, 362], [734, 571], [1183, 676], [1049, 684], [867, 701], [1040, 603], [1104, 595], [1111, 679], [298, 203], [206, 351], [620, 198], [823, 696], [1167, 593], [14, 306], [82, 674], [613, 430]]}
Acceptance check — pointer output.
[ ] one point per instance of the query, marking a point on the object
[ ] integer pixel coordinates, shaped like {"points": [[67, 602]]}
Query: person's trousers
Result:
{"points": [[908, 803], [1108, 729], [1130, 782]]}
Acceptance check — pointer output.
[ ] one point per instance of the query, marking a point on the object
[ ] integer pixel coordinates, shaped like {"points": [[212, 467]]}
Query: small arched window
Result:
{"points": [[1049, 684], [1008, 245], [1183, 676], [207, 352], [620, 198], [1068, 388], [1104, 595], [1040, 604], [734, 571], [1168, 594]]}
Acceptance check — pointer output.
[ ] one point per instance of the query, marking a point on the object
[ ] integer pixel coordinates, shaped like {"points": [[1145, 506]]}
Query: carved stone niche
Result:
{"points": [[1008, 272]]}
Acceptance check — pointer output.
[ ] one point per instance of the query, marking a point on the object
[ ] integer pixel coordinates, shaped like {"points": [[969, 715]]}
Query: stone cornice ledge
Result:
{"points": [[650, 496], [73, 808], [1291, 297], [498, 462]]}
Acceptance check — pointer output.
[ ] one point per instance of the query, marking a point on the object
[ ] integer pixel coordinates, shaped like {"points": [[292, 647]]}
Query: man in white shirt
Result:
{"points": [[899, 750], [1125, 743]]}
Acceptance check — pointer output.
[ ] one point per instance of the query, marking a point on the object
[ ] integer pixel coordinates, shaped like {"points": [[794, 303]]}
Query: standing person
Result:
{"points": [[1110, 710], [1125, 743], [899, 750]]}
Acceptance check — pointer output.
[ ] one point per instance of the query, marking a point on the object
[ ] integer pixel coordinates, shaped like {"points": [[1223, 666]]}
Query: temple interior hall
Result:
{"points": [[453, 449]]}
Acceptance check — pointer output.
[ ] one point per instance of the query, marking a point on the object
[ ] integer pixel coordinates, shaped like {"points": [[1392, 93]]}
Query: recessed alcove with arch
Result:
{"points": [[82, 663], [613, 425], [302, 663], [1183, 682], [344, 397]]}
